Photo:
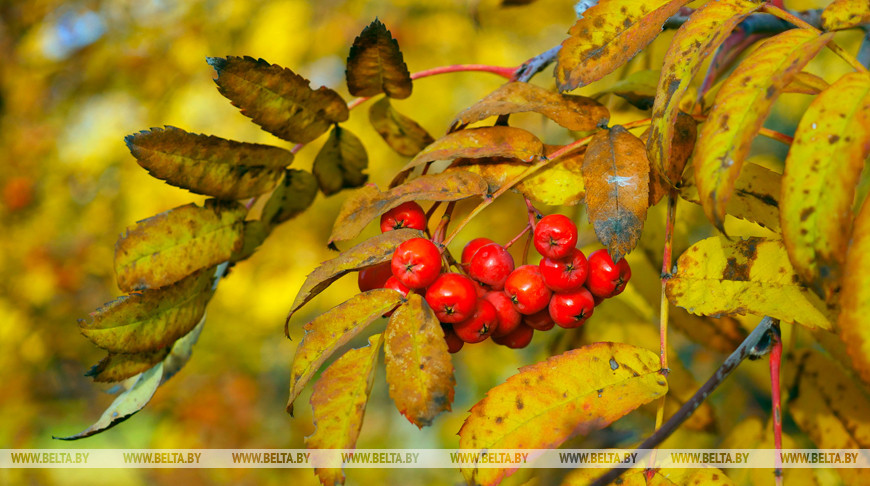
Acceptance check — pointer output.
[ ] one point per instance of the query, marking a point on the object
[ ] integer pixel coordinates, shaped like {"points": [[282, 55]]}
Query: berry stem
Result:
{"points": [[518, 236], [438, 234], [534, 214], [776, 398]]}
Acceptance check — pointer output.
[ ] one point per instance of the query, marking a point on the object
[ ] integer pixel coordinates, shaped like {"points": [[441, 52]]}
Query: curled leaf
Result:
{"points": [[482, 142], [375, 64], [120, 366], [685, 132], [340, 162]]}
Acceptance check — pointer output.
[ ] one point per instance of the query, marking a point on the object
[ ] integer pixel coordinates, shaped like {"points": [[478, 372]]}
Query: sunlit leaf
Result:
{"points": [[377, 249], [616, 172], [401, 133], [482, 142], [685, 132], [607, 36], [818, 187], [151, 319], [695, 40], [120, 366], [340, 162], [375, 64], [572, 112], [291, 197], [339, 403], [717, 276], [277, 99], [209, 165], [165, 248], [752, 433], [367, 203], [806, 83], [855, 296], [638, 88], [419, 368], [547, 403], [584, 476], [740, 108], [333, 329], [845, 14]]}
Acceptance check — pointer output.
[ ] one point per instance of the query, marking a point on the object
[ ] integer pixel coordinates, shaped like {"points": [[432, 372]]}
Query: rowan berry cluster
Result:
{"points": [[494, 298]]}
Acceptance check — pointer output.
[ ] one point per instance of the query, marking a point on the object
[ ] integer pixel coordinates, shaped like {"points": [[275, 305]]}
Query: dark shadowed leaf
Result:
{"points": [[419, 368], [291, 197], [256, 233], [401, 133], [475, 143], [340, 162], [845, 14], [375, 64], [278, 99], [616, 172], [165, 248], [638, 88], [685, 133], [208, 165], [120, 366]]}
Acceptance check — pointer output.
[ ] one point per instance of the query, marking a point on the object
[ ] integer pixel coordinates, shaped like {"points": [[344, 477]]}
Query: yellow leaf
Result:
{"points": [[607, 36], [821, 172], [418, 365], [752, 433], [740, 108], [717, 276], [547, 403], [482, 142], [401, 133], [806, 83], [638, 88], [855, 296], [375, 64], [339, 403], [844, 14], [661, 477], [120, 366]]}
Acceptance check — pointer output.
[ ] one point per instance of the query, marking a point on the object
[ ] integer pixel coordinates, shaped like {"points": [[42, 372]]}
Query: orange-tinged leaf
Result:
{"points": [[375, 64], [296, 192], [855, 296], [368, 202], [806, 83], [403, 134], [685, 132], [616, 172], [482, 142], [151, 319], [607, 36], [165, 248], [821, 171], [638, 88], [120, 366], [277, 99], [339, 403], [717, 276], [418, 365], [660, 477], [829, 406], [740, 108], [547, 403], [845, 14], [695, 40], [377, 249], [333, 329], [340, 162], [572, 112], [205, 164]]}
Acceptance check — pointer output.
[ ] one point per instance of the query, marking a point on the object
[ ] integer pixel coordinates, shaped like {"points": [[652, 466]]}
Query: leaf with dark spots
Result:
{"points": [[120, 366], [401, 133], [845, 14], [685, 134], [375, 64], [377, 249]]}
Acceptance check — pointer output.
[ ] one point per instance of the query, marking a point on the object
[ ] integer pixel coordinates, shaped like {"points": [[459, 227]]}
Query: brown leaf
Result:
{"points": [[401, 133], [277, 99], [419, 368], [572, 112], [340, 162], [375, 64], [616, 172], [291, 197], [685, 133], [120, 366]]}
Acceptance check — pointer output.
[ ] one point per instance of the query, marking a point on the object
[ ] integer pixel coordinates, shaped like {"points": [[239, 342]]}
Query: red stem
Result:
{"points": [[518, 236], [775, 363]]}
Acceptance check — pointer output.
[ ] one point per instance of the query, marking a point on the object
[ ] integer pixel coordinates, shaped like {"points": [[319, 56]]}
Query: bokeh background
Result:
{"points": [[77, 76]]}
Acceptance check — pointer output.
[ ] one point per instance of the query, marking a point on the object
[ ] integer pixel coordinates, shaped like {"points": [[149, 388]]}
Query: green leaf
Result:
{"points": [[120, 366], [401, 133], [277, 99], [209, 165], [340, 162], [375, 64]]}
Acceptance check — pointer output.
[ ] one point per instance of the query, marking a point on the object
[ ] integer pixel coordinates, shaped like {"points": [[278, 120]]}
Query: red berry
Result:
{"points": [[555, 236], [395, 284], [519, 338], [452, 297], [454, 344], [491, 265], [480, 325], [571, 309], [416, 263], [540, 321], [374, 277], [405, 215], [508, 317], [565, 274], [479, 288], [471, 248], [606, 278], [598, 300], [526, 289]]}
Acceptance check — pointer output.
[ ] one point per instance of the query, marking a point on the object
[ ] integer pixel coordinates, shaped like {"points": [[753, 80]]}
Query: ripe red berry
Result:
{"points": [[555, 236], [480, 325], [374, 277], [606, 279], [454, 344], [416, 263], [395, 284], [471, 248], [540, 321], [405, 215], [571, 309], [491, 265], [519, 338], [452, 297], [565, 274], [526, 289], [508, 317]]}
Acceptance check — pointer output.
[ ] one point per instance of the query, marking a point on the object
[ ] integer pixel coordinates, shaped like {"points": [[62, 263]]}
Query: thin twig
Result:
{"points": [[776, 398]]}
